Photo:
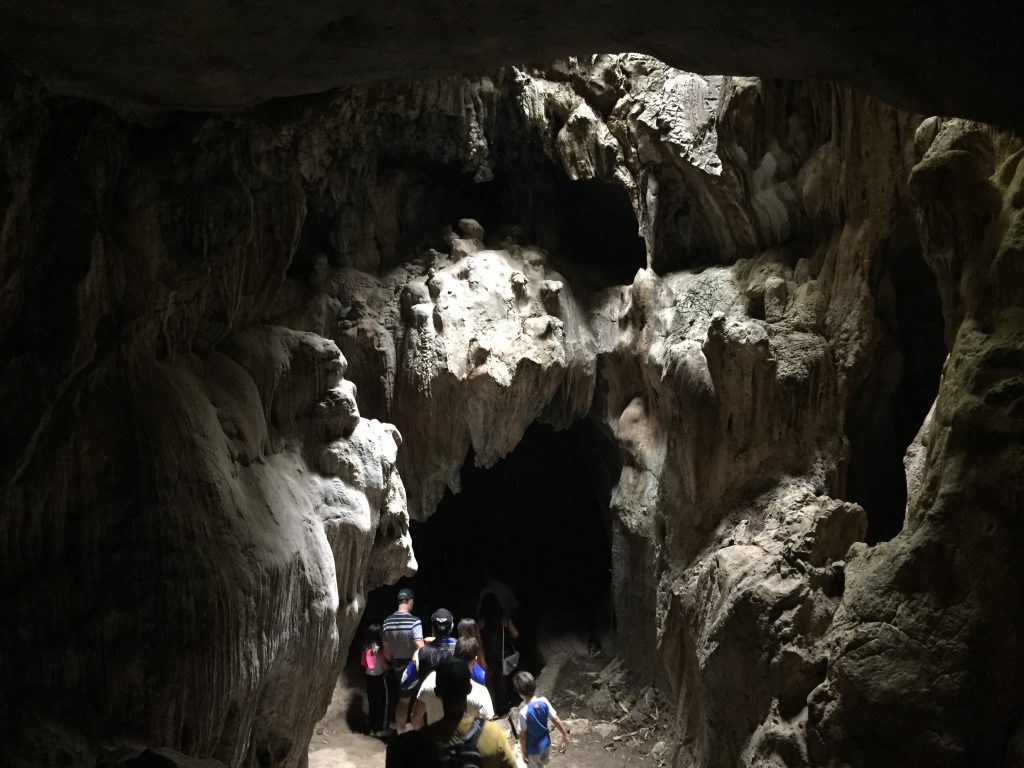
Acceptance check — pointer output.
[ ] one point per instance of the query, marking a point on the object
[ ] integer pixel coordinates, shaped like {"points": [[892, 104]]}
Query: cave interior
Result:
{"points": [[774, 397], [539, 521]]}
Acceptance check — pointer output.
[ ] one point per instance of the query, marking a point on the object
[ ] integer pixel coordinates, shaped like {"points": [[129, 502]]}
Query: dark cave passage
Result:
{"points": [[587, 226], [538, 521], [892, 403]]}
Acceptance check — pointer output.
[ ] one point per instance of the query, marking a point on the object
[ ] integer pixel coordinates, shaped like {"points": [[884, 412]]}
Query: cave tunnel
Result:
{"points": [[587, 225], [539, 521], [895, 398]]}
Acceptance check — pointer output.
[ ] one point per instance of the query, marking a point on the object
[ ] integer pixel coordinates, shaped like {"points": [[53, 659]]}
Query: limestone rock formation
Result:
{"points": [[717, 383], [198, 315], [471, 348], [193, 509], [926, 639], [752, 613]]}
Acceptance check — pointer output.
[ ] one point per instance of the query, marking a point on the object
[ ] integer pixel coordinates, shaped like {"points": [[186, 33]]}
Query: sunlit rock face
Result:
{"points": [[203, 318], [742, 373]]}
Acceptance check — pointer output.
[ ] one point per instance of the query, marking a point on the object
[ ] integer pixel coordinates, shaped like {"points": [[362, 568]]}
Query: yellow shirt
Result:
{"points": [[492, 744]]}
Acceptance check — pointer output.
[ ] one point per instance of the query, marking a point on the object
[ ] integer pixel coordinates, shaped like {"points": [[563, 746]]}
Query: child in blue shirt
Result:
{"points": [[534, 714]]}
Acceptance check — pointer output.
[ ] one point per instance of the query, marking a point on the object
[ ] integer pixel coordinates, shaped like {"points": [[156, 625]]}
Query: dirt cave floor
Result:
{"points": [[614, 720]]}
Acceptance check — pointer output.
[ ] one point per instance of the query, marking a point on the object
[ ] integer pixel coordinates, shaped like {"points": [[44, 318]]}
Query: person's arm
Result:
{"points": [[565, 734], [385, 650], [483, 701], [512, 631], [419, 714], [522, 743], [417, 635], [411, 675]]}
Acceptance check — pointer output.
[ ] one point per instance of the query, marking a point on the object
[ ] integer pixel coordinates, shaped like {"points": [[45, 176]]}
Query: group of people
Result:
{"points": [[439, 692]]}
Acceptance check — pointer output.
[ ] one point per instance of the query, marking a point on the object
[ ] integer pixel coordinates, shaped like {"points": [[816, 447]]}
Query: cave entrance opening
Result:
{"points": [[539, 521], [587, 225]]}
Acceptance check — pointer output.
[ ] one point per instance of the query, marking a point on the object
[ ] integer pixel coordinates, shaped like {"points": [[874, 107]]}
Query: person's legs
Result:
{"points": [[377, 696], [393, 679], [505, 698], [403, 710], [539, 760]]}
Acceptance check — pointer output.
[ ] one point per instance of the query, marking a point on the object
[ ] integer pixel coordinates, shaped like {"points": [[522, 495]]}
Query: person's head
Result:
{"points": [[442, 622], [524, 684], [467, 649], [406, 597], [373, 634], [452, 684], [468, 628], [490, 609]]}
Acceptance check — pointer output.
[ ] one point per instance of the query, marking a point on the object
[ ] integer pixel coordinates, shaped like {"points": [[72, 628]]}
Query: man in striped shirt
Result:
{"points": [[403, 634]]}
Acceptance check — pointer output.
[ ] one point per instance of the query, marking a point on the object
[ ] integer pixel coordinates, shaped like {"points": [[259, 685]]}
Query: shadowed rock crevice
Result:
{"points": [[891, 404]]}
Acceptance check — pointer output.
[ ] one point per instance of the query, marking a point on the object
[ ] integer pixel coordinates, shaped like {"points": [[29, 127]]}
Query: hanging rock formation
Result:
{"points": [[196, 313]]}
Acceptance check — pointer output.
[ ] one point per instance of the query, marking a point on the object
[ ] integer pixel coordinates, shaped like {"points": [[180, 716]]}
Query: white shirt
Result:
{"points": [[521, 720], [477, 703]]}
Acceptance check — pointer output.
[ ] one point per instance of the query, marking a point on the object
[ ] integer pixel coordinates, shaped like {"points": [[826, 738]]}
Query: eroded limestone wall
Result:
{"points": [[192, 310], [193, 508]]}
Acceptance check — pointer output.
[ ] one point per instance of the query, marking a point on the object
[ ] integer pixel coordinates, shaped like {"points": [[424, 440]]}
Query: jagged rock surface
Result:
{"points": [[173, 418], [715, 384], [926, 638], [193, 507]]}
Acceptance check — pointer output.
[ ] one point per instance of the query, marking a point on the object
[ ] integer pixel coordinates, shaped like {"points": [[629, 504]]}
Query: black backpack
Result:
{"points": [[464, 754]]}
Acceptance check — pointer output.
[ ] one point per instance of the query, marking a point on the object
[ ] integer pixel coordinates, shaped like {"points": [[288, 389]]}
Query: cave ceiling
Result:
{"points": [[944, 58]]}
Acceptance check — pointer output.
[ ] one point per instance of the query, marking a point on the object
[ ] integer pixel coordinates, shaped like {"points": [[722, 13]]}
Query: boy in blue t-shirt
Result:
{"points": [[534, 740]]}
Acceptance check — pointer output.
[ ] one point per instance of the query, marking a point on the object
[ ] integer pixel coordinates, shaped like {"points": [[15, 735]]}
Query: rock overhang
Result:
{"points": [[222, 55]]}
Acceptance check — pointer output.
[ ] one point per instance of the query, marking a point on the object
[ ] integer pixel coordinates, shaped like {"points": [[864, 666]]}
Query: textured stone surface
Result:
{"points": [[717, 383], [176, 550], [952, 61], [197, 317], [925, 640]]}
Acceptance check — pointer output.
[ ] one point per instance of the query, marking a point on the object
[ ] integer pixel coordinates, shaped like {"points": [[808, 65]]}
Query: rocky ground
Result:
{"points": [[613, 719]]}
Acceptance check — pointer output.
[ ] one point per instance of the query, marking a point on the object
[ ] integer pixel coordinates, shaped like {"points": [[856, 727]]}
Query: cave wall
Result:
{"points": [[923, 642], [193, 506], [192, 308], [946, 59]]}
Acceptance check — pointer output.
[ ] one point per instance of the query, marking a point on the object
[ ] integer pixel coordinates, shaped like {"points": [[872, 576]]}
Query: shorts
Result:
{"points": [[396, 674], [538, 760]]}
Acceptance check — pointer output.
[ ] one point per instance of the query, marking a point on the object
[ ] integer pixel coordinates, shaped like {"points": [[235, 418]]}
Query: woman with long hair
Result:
{"points": [[468, 629], [496, 630]]}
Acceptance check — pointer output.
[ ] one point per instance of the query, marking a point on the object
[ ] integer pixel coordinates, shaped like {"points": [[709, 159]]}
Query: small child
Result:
{"points": [[534, 740], [376, 684]]}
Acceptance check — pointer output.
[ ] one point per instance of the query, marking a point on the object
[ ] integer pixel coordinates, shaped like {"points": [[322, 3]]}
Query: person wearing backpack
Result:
{"points": [[426, 659], [428, 707], [534, 737], [457, 740]]}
